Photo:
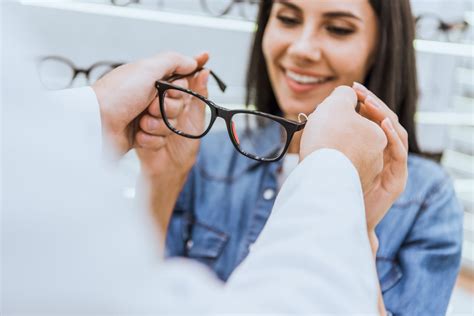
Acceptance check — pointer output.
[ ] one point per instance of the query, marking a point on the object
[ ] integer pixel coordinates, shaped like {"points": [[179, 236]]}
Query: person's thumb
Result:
{"points": [[165, 64]]}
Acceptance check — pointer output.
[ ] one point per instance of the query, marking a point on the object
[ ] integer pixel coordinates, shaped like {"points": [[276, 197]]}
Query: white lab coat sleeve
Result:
{"points": [[91, 251], [313, 255], [83, 104]]}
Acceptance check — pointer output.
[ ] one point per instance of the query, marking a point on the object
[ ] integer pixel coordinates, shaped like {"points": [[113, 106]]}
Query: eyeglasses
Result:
{"points": [[248, 8], [124, 3], [430, 27], [57, 72], [257, 135]]}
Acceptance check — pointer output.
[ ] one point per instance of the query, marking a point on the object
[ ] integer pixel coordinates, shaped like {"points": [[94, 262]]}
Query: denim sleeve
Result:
{"points": [[430, 256]]}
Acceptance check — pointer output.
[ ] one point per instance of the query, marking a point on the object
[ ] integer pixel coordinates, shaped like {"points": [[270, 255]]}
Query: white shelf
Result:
{"points": [[145, 14], [445, 118], [459, 162], [463, 104], [445, 48], [463, 186], [465, 76], [186, 19]]}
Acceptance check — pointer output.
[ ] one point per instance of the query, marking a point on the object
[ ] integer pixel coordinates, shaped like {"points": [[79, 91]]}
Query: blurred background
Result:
{"points": [[69, 37]]}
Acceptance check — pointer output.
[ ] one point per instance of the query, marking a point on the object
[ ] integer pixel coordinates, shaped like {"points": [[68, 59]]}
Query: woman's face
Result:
{"points": [[311, 47]]}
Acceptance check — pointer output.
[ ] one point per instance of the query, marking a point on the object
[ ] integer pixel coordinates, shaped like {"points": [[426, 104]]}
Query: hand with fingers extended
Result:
{"points": [[390, 183], [124, 93], [131, 117], [336, 125], [370, 142], [159, 149]]}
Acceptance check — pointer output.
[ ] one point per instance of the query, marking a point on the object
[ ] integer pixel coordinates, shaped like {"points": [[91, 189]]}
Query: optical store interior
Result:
{"points": [[76, 42]]}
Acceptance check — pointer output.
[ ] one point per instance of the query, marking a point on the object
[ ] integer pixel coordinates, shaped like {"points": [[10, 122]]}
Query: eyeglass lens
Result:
{"points": [[123, 3], [98, 71], [217, 7], [258, 136], [55, 73], [198, 117]]}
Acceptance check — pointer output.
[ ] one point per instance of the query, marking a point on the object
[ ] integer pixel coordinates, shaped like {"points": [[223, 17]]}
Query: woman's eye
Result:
{"points": [[286, 20], [340, 30]]}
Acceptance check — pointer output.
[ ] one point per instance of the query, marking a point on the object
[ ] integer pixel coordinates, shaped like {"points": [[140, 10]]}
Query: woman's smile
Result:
{"points": [[299, 81]]}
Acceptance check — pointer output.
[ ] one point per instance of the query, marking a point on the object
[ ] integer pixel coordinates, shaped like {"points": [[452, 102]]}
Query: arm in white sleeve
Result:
{"points": [[80, 107], [313, 255]]}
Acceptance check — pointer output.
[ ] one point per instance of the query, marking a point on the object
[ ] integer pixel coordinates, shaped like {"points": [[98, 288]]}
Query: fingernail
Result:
{"points": [[372, 101], [360, 87]]}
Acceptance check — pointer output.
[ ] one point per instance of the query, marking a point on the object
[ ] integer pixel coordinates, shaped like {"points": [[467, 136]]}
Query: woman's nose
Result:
{"points": [[306, 47]]}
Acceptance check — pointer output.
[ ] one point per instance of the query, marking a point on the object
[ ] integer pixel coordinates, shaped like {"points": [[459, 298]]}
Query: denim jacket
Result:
{"points": [[228, 198]]}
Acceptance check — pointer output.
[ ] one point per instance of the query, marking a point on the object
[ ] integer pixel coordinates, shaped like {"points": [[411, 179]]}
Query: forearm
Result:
{"points": [[161, 193]]}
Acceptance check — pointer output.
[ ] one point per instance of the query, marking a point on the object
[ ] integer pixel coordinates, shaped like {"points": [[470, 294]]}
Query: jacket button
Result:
{"points": [[189, 244], [268, 194]]}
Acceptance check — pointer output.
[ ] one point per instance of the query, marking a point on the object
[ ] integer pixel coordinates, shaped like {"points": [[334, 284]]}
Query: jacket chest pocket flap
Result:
{"points": [[206, 241], [389, 273]]}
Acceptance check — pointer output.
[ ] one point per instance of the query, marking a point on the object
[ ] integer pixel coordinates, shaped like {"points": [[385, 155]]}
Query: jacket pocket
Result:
{"points": [[205, 242], [389, 272]]}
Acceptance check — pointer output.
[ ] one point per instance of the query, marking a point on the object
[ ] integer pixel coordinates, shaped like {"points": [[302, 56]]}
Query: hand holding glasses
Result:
{"points": [[57, 72], [259, 136]]}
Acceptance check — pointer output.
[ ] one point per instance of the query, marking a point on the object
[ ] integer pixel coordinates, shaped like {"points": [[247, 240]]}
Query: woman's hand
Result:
{"points": [[390, 183], [159, 149]]}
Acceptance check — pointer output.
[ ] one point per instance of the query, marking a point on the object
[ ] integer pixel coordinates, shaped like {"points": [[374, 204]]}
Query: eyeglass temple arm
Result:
{"points": [[301, 126], [220, 83]]}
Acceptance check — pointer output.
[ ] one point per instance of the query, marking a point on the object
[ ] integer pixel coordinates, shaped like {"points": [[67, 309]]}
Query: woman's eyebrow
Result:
{"points": [[289, 5], [341, 14]]}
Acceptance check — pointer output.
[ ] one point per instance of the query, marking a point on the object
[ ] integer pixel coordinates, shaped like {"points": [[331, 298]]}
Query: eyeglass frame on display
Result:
{"points": [[76, 70], [443, 26], [226, 11], [114, 2], [290, 126]]}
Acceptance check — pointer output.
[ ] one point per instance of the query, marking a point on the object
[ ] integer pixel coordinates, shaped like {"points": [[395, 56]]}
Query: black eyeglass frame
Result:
{"points": [[116, 3], [444, 27], [290, 126], [229, 7], [76, 71], [125, 4]]}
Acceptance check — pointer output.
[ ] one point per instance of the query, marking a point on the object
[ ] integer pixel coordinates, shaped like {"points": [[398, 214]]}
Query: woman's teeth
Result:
{"points": [[305, 79]]}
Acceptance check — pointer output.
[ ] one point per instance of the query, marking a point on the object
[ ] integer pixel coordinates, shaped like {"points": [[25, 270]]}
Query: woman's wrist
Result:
{"points": [[169, 172], [374, 242], [162, 192]]}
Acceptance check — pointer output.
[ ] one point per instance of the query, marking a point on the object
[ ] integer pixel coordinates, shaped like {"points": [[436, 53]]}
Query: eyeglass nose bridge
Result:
{"points": [[222, 112], [227, 115]]}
